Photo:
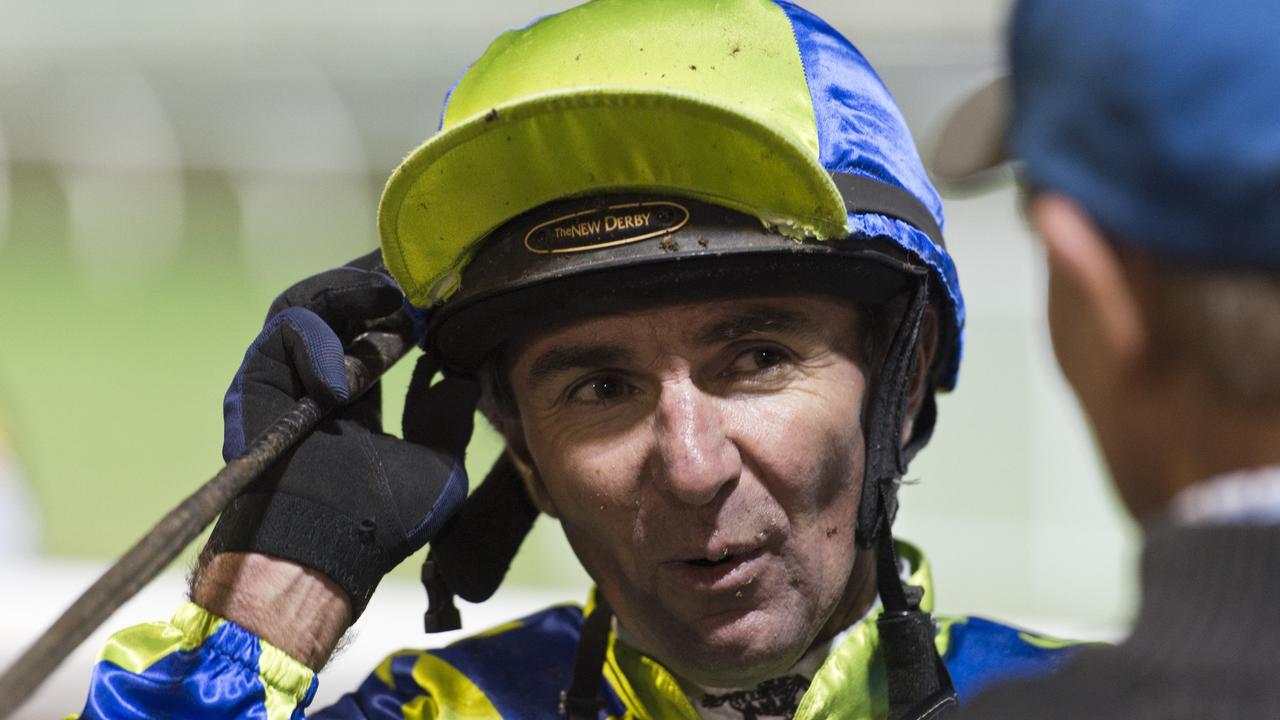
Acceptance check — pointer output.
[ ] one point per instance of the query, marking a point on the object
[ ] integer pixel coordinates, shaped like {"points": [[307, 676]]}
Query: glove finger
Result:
{"points": [[296, 354], [416, 316], [349, 300], [443, 416], [301, 293]]}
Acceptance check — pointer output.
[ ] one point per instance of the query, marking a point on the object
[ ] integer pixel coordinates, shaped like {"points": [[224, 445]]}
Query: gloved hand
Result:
{"points": [[348, 501]]}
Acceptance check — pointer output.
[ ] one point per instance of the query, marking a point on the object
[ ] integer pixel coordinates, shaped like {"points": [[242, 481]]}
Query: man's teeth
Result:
{"points": [[703, 562]]}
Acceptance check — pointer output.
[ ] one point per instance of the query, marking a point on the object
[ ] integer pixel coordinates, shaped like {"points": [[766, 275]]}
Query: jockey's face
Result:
{"points": [[705, 461]]}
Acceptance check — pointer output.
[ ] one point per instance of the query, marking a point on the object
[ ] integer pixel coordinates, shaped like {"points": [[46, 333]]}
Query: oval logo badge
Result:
{"points": [[605, 227]]}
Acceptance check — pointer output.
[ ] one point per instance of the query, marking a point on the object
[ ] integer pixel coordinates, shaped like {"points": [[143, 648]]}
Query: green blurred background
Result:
{"points": [[165, 170]]}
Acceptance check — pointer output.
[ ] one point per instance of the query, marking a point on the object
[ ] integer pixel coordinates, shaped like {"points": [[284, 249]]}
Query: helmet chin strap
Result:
{"points": [[920, 687], [471, 555]]}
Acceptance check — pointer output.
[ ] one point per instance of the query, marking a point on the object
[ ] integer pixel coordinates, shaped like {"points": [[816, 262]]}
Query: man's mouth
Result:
{"points": [[725, 570], [703, 562], [725, 556]]}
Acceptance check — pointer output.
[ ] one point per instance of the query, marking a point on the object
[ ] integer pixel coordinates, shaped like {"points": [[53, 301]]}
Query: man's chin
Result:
{"points": [[732, 650]]}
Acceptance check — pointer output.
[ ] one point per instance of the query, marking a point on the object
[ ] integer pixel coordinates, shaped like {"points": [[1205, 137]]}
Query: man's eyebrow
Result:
{"points": [[573, 357], [758, 321]]}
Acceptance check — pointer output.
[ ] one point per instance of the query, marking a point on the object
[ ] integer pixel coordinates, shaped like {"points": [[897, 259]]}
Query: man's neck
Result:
{"points": [[1195, 440]]}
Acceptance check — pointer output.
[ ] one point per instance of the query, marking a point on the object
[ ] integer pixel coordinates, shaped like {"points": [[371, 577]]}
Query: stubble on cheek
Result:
{"points": [[600, 515], [840, 471], [827, 550]]}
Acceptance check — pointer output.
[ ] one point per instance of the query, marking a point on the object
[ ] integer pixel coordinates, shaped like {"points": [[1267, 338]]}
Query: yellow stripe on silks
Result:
{"points": [[384, 672], [285, 681], [137, 648], [422, 706], [647, 689], [452, 696]]}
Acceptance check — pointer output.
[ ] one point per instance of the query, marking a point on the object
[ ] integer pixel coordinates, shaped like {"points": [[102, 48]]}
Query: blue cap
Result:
{"points": [[1160, 117]]}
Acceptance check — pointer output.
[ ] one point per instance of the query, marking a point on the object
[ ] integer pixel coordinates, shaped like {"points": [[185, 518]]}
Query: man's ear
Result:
{"points": [[926, 349], [1095, 316], [518, 450]]}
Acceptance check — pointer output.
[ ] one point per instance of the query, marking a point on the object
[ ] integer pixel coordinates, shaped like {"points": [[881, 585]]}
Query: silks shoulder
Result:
{"points": [[198, 665]]}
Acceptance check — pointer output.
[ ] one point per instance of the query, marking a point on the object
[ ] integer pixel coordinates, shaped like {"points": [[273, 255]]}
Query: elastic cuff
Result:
{"points": [[280, 674], [286, 677]]}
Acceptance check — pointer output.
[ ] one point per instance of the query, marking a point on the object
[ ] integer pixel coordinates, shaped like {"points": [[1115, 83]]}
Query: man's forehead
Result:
{"points": [[705, 322]]}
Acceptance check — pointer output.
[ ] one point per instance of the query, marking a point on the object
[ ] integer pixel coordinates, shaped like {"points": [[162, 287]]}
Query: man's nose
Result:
{"points": [[695, 454]]}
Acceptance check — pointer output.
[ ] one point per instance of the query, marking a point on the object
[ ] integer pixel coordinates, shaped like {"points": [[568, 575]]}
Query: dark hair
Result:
{"points": [[497, 397]]}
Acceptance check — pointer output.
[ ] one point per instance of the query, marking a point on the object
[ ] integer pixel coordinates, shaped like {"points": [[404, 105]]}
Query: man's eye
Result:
{"points": [[600, 390], [757, 359]]}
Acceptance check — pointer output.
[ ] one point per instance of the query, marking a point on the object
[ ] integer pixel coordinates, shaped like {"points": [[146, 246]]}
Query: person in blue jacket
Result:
{"points": [[686, 260], [1148, 136]]}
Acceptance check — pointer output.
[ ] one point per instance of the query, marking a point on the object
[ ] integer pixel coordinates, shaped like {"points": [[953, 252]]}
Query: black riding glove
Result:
{"points": [[348, 501]]}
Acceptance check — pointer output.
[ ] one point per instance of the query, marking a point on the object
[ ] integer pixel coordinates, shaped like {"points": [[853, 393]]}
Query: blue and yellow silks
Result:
{"points": [[198, 665]]}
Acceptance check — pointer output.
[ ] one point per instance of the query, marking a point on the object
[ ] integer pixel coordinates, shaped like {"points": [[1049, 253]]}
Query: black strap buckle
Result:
{"points": [[580, 708], [441, 615]]}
